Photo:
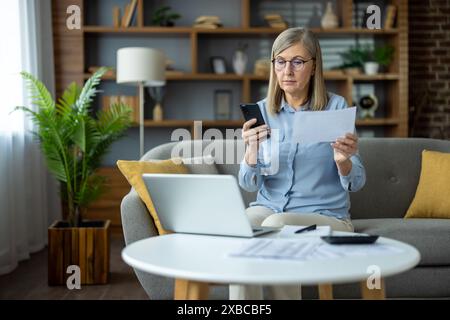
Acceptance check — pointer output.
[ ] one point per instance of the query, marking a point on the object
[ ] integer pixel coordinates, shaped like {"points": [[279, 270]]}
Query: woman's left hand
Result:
{"points": [[345, 147]]}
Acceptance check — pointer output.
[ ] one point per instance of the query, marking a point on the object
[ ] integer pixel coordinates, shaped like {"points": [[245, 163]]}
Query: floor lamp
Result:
{"points": [[142, 67]]}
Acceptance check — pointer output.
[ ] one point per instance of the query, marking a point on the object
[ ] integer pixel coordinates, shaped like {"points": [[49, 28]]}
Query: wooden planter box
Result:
{"points": [[86, 247]]}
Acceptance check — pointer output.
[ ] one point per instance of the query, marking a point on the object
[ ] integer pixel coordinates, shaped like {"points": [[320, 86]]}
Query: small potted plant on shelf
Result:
{"points": [[73, 143], [376, 57], [353, 60], [164, 17]]}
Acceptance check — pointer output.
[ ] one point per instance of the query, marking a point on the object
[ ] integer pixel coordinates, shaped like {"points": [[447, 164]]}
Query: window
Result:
{"points": [[11, 84]]}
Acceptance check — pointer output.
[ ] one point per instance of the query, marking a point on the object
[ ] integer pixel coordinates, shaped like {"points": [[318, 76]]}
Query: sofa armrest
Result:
{"points": [[136, 221], [137, 225]]}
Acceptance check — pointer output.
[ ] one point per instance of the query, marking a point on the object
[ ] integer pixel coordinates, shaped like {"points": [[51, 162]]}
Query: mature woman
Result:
{"points": [[312, 181]]}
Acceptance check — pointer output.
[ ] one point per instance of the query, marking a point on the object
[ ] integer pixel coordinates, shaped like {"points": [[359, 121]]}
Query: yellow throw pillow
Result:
{"points": [[431, 199], [133, 170]]}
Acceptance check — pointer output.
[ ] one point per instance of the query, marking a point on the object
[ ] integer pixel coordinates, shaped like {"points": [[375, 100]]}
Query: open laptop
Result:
{"points": [[200, 204]]}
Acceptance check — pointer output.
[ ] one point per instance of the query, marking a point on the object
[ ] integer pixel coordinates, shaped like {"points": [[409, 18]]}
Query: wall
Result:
{"points": [[429, 77]]}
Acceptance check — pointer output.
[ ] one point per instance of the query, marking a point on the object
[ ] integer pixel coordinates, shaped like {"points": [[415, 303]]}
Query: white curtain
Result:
{"points": [[29, 200]]}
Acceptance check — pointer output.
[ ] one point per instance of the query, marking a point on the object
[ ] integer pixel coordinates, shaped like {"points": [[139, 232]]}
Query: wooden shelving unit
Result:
{"points": [[396, 78]]}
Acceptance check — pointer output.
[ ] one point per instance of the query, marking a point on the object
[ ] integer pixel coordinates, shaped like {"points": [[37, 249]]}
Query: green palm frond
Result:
{"points": [[93, 140], [68, 99], [79, 135], [93, 135], [47, 134], [113, 120], [34, 115], [91, 191], [54, 162], [111, 125], [39, 93], [89, 91]]}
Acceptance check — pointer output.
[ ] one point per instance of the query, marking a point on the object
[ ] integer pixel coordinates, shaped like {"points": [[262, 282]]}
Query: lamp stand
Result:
{"points": [[141, 119]]}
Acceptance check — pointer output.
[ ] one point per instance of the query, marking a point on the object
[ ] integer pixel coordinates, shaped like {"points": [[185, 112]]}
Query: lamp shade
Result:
{"points": [[141, 65]]}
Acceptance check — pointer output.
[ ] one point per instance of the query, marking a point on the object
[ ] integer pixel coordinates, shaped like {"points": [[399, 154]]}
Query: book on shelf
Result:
{"points": [[275, 21], [174, 73], [207, 19], [125, 13], [131, 101], [389, 21], [130, 11], [116, 16], [208, 22], [272, 16], [207, 25], [278, 25]]}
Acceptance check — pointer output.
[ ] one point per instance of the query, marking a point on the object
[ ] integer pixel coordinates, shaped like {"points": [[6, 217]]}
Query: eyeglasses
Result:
{"points": [[297, 64]]}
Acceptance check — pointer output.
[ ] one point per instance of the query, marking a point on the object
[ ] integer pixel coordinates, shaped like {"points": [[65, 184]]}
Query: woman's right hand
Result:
{"points": [[252, 138]]}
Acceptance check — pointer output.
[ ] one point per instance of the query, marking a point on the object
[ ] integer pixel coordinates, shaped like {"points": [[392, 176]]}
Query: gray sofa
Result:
{"points": [[393, 169]]}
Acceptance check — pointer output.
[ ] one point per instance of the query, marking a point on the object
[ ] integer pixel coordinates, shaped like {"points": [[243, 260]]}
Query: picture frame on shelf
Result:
{"points": [[218, 65], [222, 104]]}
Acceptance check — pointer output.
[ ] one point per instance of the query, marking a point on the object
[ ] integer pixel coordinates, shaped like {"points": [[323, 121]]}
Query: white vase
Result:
{"points": [[239, 62], [329, 19], [371, 68], [157, 112]]}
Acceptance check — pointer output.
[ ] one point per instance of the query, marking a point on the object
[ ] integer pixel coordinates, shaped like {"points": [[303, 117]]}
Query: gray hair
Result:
{"points": [[317, 90]]}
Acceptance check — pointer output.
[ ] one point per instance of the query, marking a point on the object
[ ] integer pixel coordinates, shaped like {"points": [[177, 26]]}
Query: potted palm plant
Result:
{"points": [[73, 143]]}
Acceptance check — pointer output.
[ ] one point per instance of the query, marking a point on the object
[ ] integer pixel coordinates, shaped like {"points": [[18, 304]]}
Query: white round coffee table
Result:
{"points": [[196, 260]]}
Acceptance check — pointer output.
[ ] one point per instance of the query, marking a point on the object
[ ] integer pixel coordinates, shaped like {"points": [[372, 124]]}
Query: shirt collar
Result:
{"points": [[287, 107]]}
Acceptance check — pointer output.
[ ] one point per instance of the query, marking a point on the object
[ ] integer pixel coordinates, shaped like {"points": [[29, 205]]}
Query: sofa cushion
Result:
{"points": [[432, 196], [200, 165], [430, 236]]}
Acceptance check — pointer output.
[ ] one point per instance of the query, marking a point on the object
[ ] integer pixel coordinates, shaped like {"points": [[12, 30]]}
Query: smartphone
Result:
{"points": [[250, 111]]}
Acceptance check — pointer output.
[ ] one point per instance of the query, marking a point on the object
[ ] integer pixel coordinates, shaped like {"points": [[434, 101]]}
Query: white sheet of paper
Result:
{"points": [[288, 231], [323, 126]]}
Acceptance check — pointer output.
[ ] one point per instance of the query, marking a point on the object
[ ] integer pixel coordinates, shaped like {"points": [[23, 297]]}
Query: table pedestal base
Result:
{"points": [[326, 291], [191, 290], [373, 294]]}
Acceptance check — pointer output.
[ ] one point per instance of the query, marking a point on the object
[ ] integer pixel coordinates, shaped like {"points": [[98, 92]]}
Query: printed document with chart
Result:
{"points": [[307, 248]]}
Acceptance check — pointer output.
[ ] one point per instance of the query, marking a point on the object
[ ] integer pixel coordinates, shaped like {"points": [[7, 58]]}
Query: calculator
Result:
{"points": [[352, 239]]}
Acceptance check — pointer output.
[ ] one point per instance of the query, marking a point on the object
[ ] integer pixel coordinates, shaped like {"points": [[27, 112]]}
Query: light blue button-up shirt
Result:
{"points": [[307, 179]]}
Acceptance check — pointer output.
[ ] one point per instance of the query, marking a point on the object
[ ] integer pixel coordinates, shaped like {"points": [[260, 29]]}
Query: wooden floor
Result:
{"points": [[29, 280]]}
